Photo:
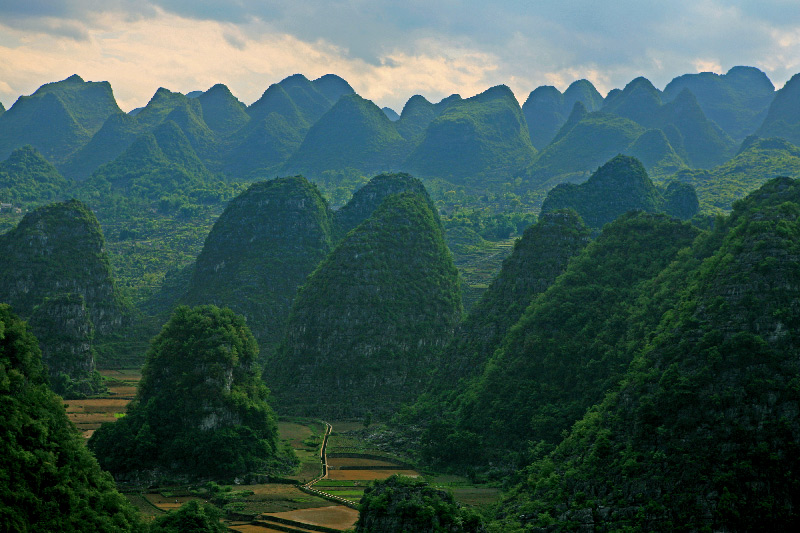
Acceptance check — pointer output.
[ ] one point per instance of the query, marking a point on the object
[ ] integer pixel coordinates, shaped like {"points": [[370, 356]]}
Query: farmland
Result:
{"points": [[353, 464]]}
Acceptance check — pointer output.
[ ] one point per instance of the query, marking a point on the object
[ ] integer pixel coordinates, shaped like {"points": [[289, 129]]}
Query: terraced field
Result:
{"points": [[330, 505], [88, 414]]}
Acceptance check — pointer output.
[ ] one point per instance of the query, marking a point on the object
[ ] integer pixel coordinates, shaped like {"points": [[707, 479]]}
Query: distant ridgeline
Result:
{"points": [[698, 429], [619, 186], [55, 271], [321, 128], [370, 322]]}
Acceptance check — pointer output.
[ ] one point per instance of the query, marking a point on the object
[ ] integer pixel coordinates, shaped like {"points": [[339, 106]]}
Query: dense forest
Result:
{"points": [[588, 302]]}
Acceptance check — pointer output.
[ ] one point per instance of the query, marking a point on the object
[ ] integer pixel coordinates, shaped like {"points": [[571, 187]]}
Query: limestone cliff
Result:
{"points": [[65, 333]]}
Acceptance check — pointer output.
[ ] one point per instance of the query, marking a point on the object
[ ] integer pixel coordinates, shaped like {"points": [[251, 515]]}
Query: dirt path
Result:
{"points": [[323, 457]]}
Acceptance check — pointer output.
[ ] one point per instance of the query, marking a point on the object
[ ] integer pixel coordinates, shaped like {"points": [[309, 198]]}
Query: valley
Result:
{"points": [[311, 314]]}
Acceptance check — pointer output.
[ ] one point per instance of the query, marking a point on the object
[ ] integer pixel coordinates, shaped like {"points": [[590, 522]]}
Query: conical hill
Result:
{"points": [[485, 135], [783, 116], [260, 251], [546, 109], [58, 118], [567, 348], [736, 101], [59, 248], [354, 133], [703, 431], [27, 177], [619, 186], [538, 258], [366, 328], [369, 197]]}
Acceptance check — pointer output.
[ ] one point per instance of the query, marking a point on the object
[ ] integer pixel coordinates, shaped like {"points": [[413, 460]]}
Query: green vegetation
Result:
{"points": [[619, 186], [406, 505], [55, 249], [58, 118], [645, 378], [355, 133], [655, 152], [369, 197], [583, 146], [191, 516], [758, 160], [737, 101], [260, 250], [481, 137], [27, 177], [703, 142], [702, 410], [783, 117], [156, 164], [368, 325], [50, 480], [537, 259], [546, 109], [201, 407], [562, 355], [418, 113], [222, 112], [65, 333]]}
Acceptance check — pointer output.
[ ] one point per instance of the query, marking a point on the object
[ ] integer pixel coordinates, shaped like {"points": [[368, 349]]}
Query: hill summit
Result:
{"points": [[260, 251], [620, 185], [367, 326]]}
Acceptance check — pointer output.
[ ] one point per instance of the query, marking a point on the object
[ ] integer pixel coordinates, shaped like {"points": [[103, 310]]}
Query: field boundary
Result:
{"points": [[308, 487], [384, 458]]}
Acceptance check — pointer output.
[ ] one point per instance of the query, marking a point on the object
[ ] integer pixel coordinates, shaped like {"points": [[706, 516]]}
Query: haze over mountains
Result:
{"points": [[589, 300], [312, 127]]}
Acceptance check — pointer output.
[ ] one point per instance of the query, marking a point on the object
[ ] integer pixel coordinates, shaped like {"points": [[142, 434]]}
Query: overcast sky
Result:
{"points": [[388, 50]]}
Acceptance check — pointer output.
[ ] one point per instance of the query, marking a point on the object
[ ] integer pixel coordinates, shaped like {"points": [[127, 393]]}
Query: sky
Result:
{"points": [[388, 50]]}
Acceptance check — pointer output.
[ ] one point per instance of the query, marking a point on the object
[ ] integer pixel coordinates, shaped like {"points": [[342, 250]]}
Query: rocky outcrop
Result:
{"points": [[65, 333]]}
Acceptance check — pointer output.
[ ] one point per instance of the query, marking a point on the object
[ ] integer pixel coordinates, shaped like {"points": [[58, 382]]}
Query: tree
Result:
{"points": [[190, 517], [201, 408], [48, 479]]}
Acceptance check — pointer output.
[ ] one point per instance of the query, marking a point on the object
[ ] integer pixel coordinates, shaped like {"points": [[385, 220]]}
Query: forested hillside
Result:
{"points": [[588, 301], [701, 432]]}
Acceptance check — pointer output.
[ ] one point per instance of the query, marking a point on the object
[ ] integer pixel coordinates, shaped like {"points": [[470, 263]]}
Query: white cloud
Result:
{"points": [[388, 51], [184, 55]]}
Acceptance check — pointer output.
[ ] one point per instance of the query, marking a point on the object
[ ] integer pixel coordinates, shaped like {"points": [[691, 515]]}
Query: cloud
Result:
{"points": [[388, 50]]}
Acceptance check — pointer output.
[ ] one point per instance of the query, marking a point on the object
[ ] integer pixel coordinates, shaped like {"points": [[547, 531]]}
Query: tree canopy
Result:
{"points": [[201, 407]]}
